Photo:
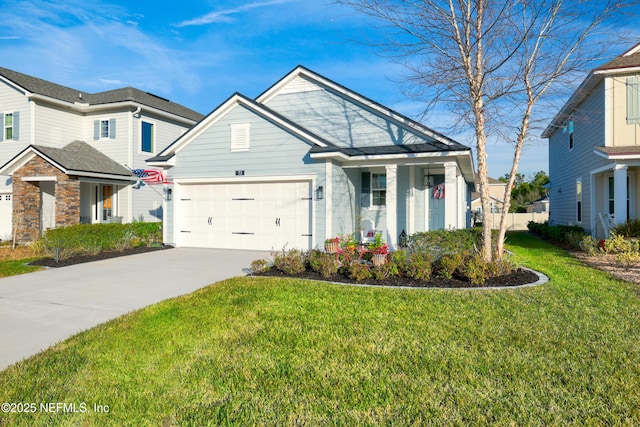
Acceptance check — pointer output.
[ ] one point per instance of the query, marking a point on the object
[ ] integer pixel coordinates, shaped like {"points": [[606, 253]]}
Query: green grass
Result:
{"points": [[263, 351], [17, 266]]}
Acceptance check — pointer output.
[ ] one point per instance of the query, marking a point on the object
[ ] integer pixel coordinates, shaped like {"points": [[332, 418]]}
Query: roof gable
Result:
{"points": [[219, 112], [302, 81], [75, 158]]}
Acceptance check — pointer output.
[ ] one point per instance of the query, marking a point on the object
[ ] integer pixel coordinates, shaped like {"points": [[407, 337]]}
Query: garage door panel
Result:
{"points": [[263, 216]]}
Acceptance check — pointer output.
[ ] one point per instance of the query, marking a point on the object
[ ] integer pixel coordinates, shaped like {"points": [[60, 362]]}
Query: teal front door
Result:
{"points": [[436, 195]]}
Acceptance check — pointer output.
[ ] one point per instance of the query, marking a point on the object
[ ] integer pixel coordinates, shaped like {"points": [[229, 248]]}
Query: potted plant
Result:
{"points": [[379, 249], [331, 245]]}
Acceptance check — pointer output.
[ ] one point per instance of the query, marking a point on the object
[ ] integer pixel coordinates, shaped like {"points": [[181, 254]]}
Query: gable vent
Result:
{"points": [[240, 136]]}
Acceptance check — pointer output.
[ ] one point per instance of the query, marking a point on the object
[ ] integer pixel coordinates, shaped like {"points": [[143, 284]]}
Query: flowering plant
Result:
{"points": [[332, 240], [378, 246]]}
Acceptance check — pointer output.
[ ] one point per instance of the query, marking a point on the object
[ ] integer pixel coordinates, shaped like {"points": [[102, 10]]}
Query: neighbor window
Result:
{"points": [[633, 100], [148, 137], [579, 200], [104, 128], [9, 126], [378, 189], [240, 136], [570, 130]]}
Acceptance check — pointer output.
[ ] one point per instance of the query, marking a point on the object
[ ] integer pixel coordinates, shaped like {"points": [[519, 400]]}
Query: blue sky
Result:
{"points": [[199, 53]]}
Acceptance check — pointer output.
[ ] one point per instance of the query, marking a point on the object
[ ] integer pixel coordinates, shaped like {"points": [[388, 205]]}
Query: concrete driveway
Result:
{"points": [[40, 309]]}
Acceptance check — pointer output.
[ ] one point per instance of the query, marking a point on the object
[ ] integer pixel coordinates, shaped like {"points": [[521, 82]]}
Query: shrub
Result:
{"points": [[325, 264], [631, 228], [419, 266], [589, 245], [628, 259], [441, 242], [449, 263], [381, 272], [500, 267], [563, 234], [475, 269], [149, 233], [359, 272], [616, 244], [290, 262], [259, 266]]}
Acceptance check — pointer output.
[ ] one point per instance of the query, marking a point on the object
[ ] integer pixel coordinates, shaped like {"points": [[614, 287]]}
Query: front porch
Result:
{"points": [[614, 200]]}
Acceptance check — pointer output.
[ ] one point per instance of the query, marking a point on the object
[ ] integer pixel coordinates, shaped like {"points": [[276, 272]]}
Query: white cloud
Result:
{"points": [[225, 15]]}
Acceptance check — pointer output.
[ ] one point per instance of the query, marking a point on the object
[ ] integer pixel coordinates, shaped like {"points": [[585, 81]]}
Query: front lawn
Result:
{"points": [[265, 351], [14, 261]]}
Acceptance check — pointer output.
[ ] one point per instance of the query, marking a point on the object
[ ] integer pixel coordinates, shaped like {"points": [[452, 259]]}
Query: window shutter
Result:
{"points": [[570, 125], [16, 125], [2, 127], [633, 100], [96, 130], [112, 128], [365, 199]]}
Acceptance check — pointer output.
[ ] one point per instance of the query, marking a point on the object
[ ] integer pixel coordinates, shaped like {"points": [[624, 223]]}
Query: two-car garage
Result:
{"points": [[244, 215]]}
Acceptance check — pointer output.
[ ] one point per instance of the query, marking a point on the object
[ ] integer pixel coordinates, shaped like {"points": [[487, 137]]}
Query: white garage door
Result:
{"points": [[6, 214], [263, 216]]}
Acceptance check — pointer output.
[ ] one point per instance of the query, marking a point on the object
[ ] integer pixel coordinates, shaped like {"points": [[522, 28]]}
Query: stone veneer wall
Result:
{"points": [[26, 199]]}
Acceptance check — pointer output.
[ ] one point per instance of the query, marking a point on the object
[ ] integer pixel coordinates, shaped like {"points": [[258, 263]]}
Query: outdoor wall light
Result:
{"points": [[319, 193], [167, 194]]}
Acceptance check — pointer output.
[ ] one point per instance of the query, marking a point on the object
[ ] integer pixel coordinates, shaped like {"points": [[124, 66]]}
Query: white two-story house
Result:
{"points": [[594, 149], [66, 155]]}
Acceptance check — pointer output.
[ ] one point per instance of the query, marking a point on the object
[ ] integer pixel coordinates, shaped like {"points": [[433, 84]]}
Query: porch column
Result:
{"points": [[328, 197], [593, 210], [620, 191], [392, 205], [450, 196]]}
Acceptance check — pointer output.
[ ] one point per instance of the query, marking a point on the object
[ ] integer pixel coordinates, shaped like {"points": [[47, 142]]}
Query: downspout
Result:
{"points": [[130, 155]]}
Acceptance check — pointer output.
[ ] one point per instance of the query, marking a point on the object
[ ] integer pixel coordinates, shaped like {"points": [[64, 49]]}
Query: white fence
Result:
{"points": [[519, 221]]}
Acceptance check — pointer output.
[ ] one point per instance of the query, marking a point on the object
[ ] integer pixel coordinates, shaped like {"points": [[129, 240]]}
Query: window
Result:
{"points": [[633, 100], [579, 200], [378, 189], [570, 130], [107, 202], [104, 129], [240, 136], [148, 138], [10, 126], [612, 197]]}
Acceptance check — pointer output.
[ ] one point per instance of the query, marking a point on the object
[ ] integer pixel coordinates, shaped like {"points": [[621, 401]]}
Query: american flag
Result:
{"points": [[150, 176]]}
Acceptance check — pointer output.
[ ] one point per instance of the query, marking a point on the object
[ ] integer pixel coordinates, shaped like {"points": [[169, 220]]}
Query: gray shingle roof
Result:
{"points": [[428, 147], [67, 94], [81, 157], [622, 61]]}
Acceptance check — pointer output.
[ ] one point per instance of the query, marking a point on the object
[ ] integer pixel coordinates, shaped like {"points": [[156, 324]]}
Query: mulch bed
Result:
{"points": [[519, 277], [79, 259]]}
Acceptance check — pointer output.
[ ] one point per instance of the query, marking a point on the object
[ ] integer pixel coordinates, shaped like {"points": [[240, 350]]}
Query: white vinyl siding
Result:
{"points": [[104, 129], [588, 133], [58, 127]]}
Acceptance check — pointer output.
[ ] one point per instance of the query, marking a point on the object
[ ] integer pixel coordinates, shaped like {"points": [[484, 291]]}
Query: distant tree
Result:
{"points": [[490, 62], [527, 191]]}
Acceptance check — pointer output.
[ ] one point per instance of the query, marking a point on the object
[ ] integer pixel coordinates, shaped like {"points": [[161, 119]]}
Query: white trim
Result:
{"points": [[617, 71], [328, 199], [38, 178], [616, 156], [391, 199], [603, 168], [244, 179], [340, 155], [92, 109], [592, 205], [633, 50], [411, 224], [608, 111]]}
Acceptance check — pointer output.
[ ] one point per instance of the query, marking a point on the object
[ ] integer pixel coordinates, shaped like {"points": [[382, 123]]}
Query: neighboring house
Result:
{"points": [[594, 148], [496, 193], [538, 206], [67, 154], [308, 160]]}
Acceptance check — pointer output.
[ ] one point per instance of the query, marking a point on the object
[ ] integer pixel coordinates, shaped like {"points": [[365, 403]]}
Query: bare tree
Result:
{"points": [[492, 62]]}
